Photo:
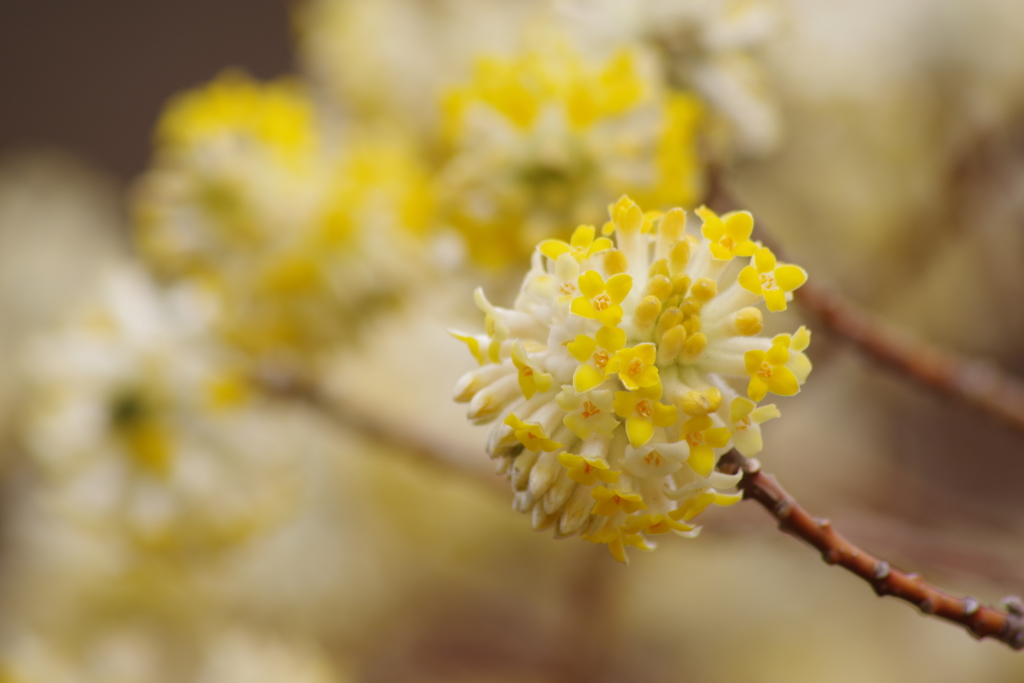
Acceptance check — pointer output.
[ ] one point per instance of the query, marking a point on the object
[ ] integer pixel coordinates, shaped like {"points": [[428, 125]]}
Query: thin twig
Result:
{"points": [[979, 384], [422, 448], [982, 622]]}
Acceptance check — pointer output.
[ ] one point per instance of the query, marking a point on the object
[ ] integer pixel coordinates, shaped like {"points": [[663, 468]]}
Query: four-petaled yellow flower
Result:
{"points": [[635, 366], [703, 436], [531, 435], [588, 412], [698, 504], [746, 418], [797, 343], [587, 471], [617, 541], [601, 300], [657, 524], [729, 234], [594, 354], [768, 372], [643, 411], [582, 244], [611, 502], [771, 280], [531, 379]]}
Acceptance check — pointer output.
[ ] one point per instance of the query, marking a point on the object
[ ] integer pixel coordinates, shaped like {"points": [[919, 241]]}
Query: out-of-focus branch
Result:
{"points": [[422, 448], [982, 622], [979, 384]]}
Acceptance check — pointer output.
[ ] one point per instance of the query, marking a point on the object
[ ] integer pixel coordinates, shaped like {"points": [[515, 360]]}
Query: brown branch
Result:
{"points": [[982, 622], [421, 448], [978, 384]]}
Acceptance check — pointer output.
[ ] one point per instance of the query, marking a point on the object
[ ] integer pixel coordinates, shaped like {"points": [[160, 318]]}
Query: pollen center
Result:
{"points": [[635, 366], [768, 280], [764, 371], [695, 439], [589, 409], [600, 359], [601, 302], [644, 408]]}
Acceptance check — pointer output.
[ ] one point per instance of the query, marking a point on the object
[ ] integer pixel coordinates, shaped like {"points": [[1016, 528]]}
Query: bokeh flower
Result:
{"points": [[296, 230], [682, 365]]}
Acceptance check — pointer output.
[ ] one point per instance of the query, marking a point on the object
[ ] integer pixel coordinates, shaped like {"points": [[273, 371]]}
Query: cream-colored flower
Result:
{"points": [[295, 231], [140, 428], [674, 363]]}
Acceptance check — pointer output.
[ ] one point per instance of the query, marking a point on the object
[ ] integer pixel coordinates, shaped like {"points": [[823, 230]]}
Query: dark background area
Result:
{"points": [[91, 76]]}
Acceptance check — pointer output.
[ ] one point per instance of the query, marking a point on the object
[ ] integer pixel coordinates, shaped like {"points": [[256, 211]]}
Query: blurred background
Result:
{"points": [[233, 234]]}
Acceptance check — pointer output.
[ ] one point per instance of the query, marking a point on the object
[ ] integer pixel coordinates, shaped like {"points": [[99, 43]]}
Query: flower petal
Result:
{"points": [[582, 307], [639, 431], [783, 382], [790, 277], [701, 460], [738, 225], [611, 338], [587, 377], [618, 287], [764, 259], [740, 408], [750, 280], [591, 284]]}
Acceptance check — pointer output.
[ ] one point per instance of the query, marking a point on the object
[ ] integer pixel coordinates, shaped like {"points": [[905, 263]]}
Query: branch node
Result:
{"points": [[831, 556], [881, 570], [1013, 604], [752, 465], [970, 606], [926, 606]]}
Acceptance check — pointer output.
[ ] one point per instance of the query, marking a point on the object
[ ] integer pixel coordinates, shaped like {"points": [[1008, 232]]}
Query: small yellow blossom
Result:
{"points": [[643, 411], [702, 436], [745, 424], [588, 412], [531, 435], [635, 366], [797, 343], [531, 379], [768, 372], [657, 524], [594, 354], [582, 244], [771, 280], [600, 300], [729, 234], [587, 471], [698, 504], [611, 502]]}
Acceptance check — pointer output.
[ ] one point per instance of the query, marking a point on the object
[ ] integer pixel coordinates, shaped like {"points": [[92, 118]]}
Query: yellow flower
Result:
{"points": [[588, 412], [616, 540], [587, 471], [699, 503], [657, 524], [531, 380], [768, 372], [730, 234], [771, 280], [601, 300], [746, 418], [635, 366], [797, 343], [594, 354], [611, 502], [531, 435], [582, 244], [643, 411], [702, 436]]}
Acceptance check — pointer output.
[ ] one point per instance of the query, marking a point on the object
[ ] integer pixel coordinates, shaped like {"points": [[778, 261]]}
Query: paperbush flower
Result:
{"points": [[535, 143], [295, 232], [614, 431], [142, 428]]}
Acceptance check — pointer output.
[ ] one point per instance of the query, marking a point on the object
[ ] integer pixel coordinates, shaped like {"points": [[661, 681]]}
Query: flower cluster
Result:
{"points": [[537, 141], [625, 370], [293, 232], [143, 430]]}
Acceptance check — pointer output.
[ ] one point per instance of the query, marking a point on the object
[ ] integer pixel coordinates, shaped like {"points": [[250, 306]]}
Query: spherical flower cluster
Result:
{"points": [[538, 141], [710, 47], [625, 370], [294, 233], [143, 431]]}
